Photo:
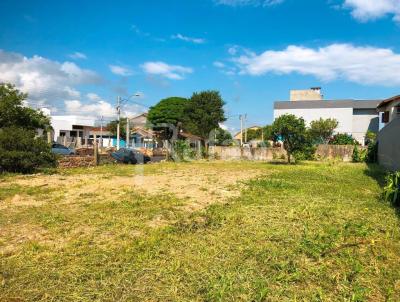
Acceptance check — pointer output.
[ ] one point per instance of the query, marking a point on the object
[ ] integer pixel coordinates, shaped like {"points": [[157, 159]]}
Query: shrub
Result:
{"points": [[372, 153], [21, 152], [183, 151], [359, 155], [308, 153], [342, 139], [391, 190]]}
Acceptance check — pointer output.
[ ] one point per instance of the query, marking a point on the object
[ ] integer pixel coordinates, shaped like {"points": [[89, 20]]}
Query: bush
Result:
{"points": [[308, 153], [183, 151], [372, 153], [21, 152], [359, 155], [391, 190], [342, 139]]}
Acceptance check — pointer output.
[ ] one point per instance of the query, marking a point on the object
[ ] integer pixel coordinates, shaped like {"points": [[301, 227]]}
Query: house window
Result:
{"points": [[385, 117], [398, 110]]}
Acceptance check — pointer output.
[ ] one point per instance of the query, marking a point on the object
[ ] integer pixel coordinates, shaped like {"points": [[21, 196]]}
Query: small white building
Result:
{"points": [[355, 117], [71, 127]]}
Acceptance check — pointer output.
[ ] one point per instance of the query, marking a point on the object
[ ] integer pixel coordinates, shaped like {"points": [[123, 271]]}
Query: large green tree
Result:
{"points": [[292, 131], [322, 130], [204, 112], [13, 113], [20, 149], [166, 114]]}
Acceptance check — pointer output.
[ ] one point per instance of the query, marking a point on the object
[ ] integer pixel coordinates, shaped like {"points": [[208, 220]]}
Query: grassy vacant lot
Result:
{"points": [[199, 232]]}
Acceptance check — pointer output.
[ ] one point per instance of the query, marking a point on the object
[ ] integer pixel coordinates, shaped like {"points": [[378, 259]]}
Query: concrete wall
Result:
{"points": [[344, 152], [237, 153], [389, 145]]}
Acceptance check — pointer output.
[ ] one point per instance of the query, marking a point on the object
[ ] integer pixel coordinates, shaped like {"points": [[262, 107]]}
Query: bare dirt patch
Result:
{"points": [[202, 186]]}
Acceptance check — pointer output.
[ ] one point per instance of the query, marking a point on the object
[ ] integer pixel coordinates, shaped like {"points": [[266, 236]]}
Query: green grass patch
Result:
{"points": [[309, 232]]}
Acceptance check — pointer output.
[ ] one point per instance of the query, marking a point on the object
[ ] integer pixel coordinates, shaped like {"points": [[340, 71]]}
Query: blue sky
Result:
{"points": [[76, 57]]}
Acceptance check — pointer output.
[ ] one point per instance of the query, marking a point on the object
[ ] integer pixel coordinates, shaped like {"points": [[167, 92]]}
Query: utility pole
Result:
{"points": [[127, 132], [245, 129], [101, 132], [119, 119], [241, 130]]}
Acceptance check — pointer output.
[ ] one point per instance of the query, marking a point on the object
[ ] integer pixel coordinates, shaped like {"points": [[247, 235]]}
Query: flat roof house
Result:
{"points": [[355, 117], [71, 128]]}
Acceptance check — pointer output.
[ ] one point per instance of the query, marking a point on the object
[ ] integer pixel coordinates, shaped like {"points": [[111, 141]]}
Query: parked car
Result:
{"points": [[61, 149], [130, 156]]}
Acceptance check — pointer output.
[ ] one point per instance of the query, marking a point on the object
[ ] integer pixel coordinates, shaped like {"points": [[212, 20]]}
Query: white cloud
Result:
{"points": [[188, 39], [120, 70], [364, 65], [249, 2], [77, 55], [364, 10], [46, 81], [172, 72], [233, 50], [219, 64], [97, 106]]}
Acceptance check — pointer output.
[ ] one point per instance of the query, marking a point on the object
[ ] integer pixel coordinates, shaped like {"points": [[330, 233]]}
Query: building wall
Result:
{"points": [[66, 122], [352, 121], [343, 115], [364, 120], [389, 145]]}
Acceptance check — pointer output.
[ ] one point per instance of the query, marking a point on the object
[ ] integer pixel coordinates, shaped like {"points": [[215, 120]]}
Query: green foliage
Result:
{"points": [[183, 151], [168, 114], [112, 127], [21, 152], [322, 130], [168, 111], [370, 137], [223, 137], [254, 134], [14, 114], [342, 139], [372, 153], [307, 153], [204, 113], [359, 155], [391, 190], [292, 131]]}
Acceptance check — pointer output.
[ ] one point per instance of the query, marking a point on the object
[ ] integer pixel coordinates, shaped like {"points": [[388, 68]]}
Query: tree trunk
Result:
{"points": [[289, 157]]}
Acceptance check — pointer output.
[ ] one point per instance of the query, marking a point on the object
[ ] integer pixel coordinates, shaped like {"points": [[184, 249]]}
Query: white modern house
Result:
{"points": [[71, 128], [355, 117]]}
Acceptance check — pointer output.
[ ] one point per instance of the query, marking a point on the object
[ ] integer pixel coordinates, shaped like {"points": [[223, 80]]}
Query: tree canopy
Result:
{"points": [[322, 130], [223, 137], [204, 112], [14, 114], [168, 114], [168, 111], [292, 131], [20, 149]]}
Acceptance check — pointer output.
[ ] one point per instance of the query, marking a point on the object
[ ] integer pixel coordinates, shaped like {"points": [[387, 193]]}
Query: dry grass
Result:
{"points": [[201, 231]]}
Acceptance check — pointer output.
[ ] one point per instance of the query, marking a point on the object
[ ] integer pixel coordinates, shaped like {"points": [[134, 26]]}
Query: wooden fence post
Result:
{"points": [[95, 153]]}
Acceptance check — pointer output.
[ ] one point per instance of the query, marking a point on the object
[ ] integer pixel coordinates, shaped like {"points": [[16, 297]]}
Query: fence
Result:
{"points": [[237, 153], [343, 152]]}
